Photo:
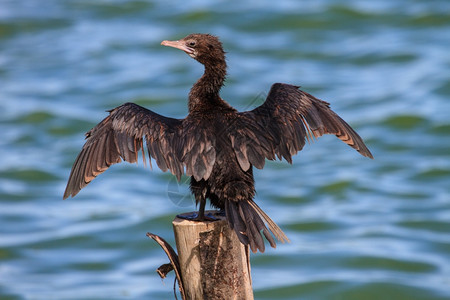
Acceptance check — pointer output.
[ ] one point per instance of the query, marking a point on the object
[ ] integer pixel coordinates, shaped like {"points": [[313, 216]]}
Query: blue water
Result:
{"points": [[359, 228]]}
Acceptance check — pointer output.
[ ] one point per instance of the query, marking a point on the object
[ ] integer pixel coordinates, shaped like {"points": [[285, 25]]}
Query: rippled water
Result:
{"points": [[360, 229]]}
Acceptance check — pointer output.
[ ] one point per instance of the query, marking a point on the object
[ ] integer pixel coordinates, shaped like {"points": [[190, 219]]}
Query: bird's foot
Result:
{"points": [[196, 217]]}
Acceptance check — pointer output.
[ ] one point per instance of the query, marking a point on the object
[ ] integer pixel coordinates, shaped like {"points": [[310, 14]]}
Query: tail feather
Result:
{"points": [[246, 218], [279, 234], [235, 221], [253, 233]]}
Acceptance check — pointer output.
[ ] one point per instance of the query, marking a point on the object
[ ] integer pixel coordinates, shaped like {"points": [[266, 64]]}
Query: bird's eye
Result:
{"points": [[192, 43]]}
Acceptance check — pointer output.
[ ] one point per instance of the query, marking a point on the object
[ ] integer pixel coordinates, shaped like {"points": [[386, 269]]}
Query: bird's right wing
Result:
{"points": [[283, 123], [120, 136]]}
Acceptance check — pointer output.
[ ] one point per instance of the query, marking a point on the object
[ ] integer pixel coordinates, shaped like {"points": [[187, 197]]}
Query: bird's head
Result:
{"points": [[205, 48]]}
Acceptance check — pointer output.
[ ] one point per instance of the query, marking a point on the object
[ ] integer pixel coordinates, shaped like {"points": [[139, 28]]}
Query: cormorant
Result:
{"points": [[215, 144]]}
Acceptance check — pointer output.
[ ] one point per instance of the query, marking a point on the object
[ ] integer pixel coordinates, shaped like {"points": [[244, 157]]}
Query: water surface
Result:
{"points": [[360, 229]]}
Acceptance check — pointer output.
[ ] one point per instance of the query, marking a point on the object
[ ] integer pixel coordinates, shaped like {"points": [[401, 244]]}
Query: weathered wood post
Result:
{"points": [[214, 264]]}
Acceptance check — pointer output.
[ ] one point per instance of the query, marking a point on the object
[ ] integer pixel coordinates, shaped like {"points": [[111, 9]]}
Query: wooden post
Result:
{"points": [[214, 264]]}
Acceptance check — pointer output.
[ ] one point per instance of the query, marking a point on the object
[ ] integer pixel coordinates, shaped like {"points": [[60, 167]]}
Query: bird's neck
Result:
{"points": [[205, 92]]}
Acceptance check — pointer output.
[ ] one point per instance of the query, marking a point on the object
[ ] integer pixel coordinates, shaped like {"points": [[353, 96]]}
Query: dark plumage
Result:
{"points": [[215, 144]]}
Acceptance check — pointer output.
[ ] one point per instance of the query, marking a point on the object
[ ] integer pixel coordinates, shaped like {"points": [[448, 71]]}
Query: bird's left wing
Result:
{"points": [[120, 136]]}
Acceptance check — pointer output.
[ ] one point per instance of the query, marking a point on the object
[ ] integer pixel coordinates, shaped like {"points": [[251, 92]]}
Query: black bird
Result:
{"points": [[215, 144]]}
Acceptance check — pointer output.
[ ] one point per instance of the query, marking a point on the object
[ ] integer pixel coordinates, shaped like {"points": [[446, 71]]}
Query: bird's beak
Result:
{"points": [[179, 45]]}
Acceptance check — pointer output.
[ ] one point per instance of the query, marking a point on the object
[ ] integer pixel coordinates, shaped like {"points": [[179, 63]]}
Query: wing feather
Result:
{"points": [[175, 145], [281, 126]]}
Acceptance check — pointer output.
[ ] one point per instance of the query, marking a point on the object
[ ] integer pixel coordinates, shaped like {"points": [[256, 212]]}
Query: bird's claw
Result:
{"points": [[196, 217]]}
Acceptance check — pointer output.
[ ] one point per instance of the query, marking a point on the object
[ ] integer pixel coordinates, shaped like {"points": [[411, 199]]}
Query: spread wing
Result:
{"points": [[283, 123], [120, 136]]}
